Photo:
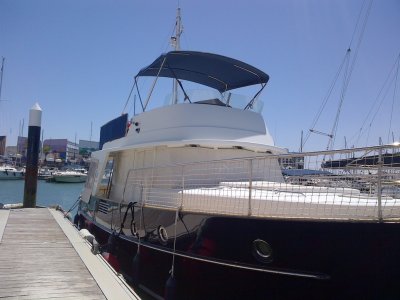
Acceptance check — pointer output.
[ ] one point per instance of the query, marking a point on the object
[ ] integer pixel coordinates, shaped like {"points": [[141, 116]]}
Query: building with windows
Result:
{"points": [[22, 145], [292, 162], [53, 150], [87, 147], [56, 150]]}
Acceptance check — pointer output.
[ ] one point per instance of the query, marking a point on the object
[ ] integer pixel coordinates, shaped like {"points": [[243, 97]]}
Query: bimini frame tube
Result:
{"points": [[130, 94], [154, 83], [250, 104]]}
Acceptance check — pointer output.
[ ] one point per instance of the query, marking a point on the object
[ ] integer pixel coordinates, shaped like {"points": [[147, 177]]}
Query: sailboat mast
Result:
{"points": [[177, 46], [1, 75], [1, 84]]}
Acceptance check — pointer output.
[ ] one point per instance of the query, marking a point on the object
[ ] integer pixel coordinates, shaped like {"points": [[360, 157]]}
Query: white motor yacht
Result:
{"points": [[10, 173], [70, 176]]}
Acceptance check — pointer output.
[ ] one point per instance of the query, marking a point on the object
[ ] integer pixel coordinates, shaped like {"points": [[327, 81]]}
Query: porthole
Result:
{"points": [[262, 251], [162, 235]]}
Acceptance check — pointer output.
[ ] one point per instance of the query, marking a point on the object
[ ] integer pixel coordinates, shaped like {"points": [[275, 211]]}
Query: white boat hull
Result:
{"points": [[70, 178], [11, 175]]}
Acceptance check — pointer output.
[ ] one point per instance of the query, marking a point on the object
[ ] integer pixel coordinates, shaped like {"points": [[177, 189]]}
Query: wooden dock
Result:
{"points": [[42, 256]]}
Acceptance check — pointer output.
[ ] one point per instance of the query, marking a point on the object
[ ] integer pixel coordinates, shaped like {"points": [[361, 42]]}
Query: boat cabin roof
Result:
{"points": [[216, 71]]}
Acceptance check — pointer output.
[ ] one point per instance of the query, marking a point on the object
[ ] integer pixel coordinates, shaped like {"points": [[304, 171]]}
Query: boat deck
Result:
{"points": [[43, 257]]}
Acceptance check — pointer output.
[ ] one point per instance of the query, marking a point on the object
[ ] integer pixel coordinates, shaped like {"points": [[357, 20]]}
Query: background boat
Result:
{"points": [[70, 176], [11, 173]]}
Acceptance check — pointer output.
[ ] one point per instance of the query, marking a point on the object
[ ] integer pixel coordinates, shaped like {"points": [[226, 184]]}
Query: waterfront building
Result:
{"points": [[22, 145], [87, 147]]}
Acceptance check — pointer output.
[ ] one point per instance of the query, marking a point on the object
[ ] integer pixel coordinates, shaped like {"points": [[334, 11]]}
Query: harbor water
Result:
{"points": [[48, 193]]}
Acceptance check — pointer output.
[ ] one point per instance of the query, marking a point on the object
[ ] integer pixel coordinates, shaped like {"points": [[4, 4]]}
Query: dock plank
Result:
{"points": [[38, 262], [43, 257], [111, 283]]}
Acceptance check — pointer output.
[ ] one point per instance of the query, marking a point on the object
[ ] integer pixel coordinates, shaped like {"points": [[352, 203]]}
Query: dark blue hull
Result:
{"points": [[216, 257]]}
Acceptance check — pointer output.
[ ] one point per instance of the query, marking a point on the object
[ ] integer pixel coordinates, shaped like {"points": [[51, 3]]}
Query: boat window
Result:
{"points": [[262, 251], [162, 235], [212, 102], [197, 92], [240, 101], [106, 180], [215, 98]]}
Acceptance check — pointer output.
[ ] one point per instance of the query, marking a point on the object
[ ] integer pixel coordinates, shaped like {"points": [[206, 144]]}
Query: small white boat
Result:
{"points": [[70, 176], [46, 173], [10, 173]]}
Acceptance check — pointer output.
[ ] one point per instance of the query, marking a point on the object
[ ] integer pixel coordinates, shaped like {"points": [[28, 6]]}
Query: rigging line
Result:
{"points": [[369, 130], [326, 98], [331, 141], [376, 100], [394, 96], [359, 42], [358, 20], [381, 102], [377, 97], [348, 74]]}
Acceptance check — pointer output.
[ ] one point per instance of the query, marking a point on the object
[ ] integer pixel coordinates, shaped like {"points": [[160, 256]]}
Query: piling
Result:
{"points": [[32, 157]]}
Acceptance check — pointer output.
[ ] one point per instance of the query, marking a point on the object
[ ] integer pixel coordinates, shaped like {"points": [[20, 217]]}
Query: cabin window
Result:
{"points": [[162, 235], [106, 180], [262, 251]]}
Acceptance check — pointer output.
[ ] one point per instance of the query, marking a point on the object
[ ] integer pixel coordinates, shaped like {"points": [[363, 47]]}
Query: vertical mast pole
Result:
{"points": [[1, 84], [91, 130], [1, 75], [177, 47], [301, 142]]}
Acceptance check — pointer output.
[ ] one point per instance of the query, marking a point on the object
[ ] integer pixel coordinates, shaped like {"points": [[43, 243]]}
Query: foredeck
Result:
{"points": [[343, 185], [43, 257]]}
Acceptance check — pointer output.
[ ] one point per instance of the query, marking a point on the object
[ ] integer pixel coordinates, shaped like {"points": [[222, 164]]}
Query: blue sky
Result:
{"points": [[77, 59]]}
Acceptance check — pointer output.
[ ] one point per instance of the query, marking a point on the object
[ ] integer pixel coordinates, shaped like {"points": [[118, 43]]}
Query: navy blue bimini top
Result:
{"points": [[216, 71]]}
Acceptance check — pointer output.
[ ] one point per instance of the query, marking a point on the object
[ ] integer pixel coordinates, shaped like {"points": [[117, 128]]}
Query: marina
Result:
{"points": [[48, 194], [189, 192]]}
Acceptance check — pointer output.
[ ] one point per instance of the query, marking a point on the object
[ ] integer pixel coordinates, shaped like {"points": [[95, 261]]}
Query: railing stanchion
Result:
{"points": [[183, 185], [380, 218], [250, 184]]}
